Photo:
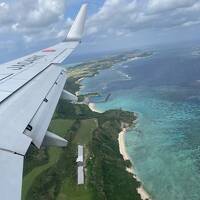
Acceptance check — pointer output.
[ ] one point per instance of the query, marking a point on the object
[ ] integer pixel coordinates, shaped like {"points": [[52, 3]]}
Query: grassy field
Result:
{"points": [[84, 134], [69, 188], [60, 127], [28, 180], [71, 191]]}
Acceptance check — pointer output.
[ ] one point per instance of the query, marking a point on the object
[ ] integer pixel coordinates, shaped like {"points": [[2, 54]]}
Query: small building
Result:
{"points": [[80, 167], [80, 154], [80, 175]]}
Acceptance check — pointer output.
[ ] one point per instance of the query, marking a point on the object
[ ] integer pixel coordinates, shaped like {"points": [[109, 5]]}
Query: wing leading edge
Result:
{"points": [[30, 88]]}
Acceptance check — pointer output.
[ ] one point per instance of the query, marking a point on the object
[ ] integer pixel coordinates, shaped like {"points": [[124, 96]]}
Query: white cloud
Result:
{"points": [[45, 13], [61, 34], [112, 15], [4, 6], [164, 5], [127, 16], [27, 38], [32, 18], [92, 30], [4, 13], [15, 26], [190, 23]]}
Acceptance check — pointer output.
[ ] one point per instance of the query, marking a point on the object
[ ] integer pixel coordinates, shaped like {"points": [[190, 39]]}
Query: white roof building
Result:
{"points": [[80, 175], [80, 154], [79, 160]]}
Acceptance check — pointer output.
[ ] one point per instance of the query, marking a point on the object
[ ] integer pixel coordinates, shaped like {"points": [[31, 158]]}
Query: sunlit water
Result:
{"points": [[164, 91]]}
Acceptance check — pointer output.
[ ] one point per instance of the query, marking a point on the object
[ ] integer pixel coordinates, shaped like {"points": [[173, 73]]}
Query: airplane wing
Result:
{"points": [[30, 88]]}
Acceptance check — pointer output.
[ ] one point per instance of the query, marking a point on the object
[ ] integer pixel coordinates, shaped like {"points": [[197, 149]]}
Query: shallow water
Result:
{"points": [[165, 145]]}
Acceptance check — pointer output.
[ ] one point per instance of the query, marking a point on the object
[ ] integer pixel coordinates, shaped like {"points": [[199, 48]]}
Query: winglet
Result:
{"points": [[77, 29]]}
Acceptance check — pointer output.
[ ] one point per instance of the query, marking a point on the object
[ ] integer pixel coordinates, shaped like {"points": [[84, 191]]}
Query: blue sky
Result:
{"points": [[28, 25]]}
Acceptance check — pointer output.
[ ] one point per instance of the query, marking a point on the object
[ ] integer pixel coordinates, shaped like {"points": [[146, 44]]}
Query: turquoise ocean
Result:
{"points": [[164, 91]]}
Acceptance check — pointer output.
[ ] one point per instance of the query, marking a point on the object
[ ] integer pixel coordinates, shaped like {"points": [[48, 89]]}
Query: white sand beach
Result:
{"points": [[122, 147], [92, 107], [78, 81]]}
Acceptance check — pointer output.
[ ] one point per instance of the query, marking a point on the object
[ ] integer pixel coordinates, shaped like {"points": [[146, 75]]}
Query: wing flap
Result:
{"points": [[11, 172], [41, 120]]}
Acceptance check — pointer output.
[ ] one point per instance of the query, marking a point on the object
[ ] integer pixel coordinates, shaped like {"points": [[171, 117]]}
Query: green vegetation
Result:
{"points": [[35, 158], [92, 68], [106, 175], [106, 167], [59, 180], [70, 191], [30, 178], [51, 174], [128, 163], [61, 126], [85, 133]]}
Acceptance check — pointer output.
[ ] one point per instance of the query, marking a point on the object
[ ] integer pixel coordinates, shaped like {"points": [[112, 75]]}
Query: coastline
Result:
{"points": [[93, 108], [122, 148], [78, 82], [121, 137]]}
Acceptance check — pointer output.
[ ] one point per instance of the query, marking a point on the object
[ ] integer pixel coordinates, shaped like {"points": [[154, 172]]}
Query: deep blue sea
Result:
{"points": [[164, 90]]}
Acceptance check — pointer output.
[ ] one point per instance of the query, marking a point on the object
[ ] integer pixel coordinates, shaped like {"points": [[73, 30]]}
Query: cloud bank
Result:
{"points": [[124, 17]]}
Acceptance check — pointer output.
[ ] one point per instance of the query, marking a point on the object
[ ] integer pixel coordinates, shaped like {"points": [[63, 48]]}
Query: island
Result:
{"points": [[51, 173]]}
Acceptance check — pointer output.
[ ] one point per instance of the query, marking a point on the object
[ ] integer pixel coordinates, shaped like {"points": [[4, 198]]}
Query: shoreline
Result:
{"points": [[78, 82], [93, 108], [122, 148]]}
